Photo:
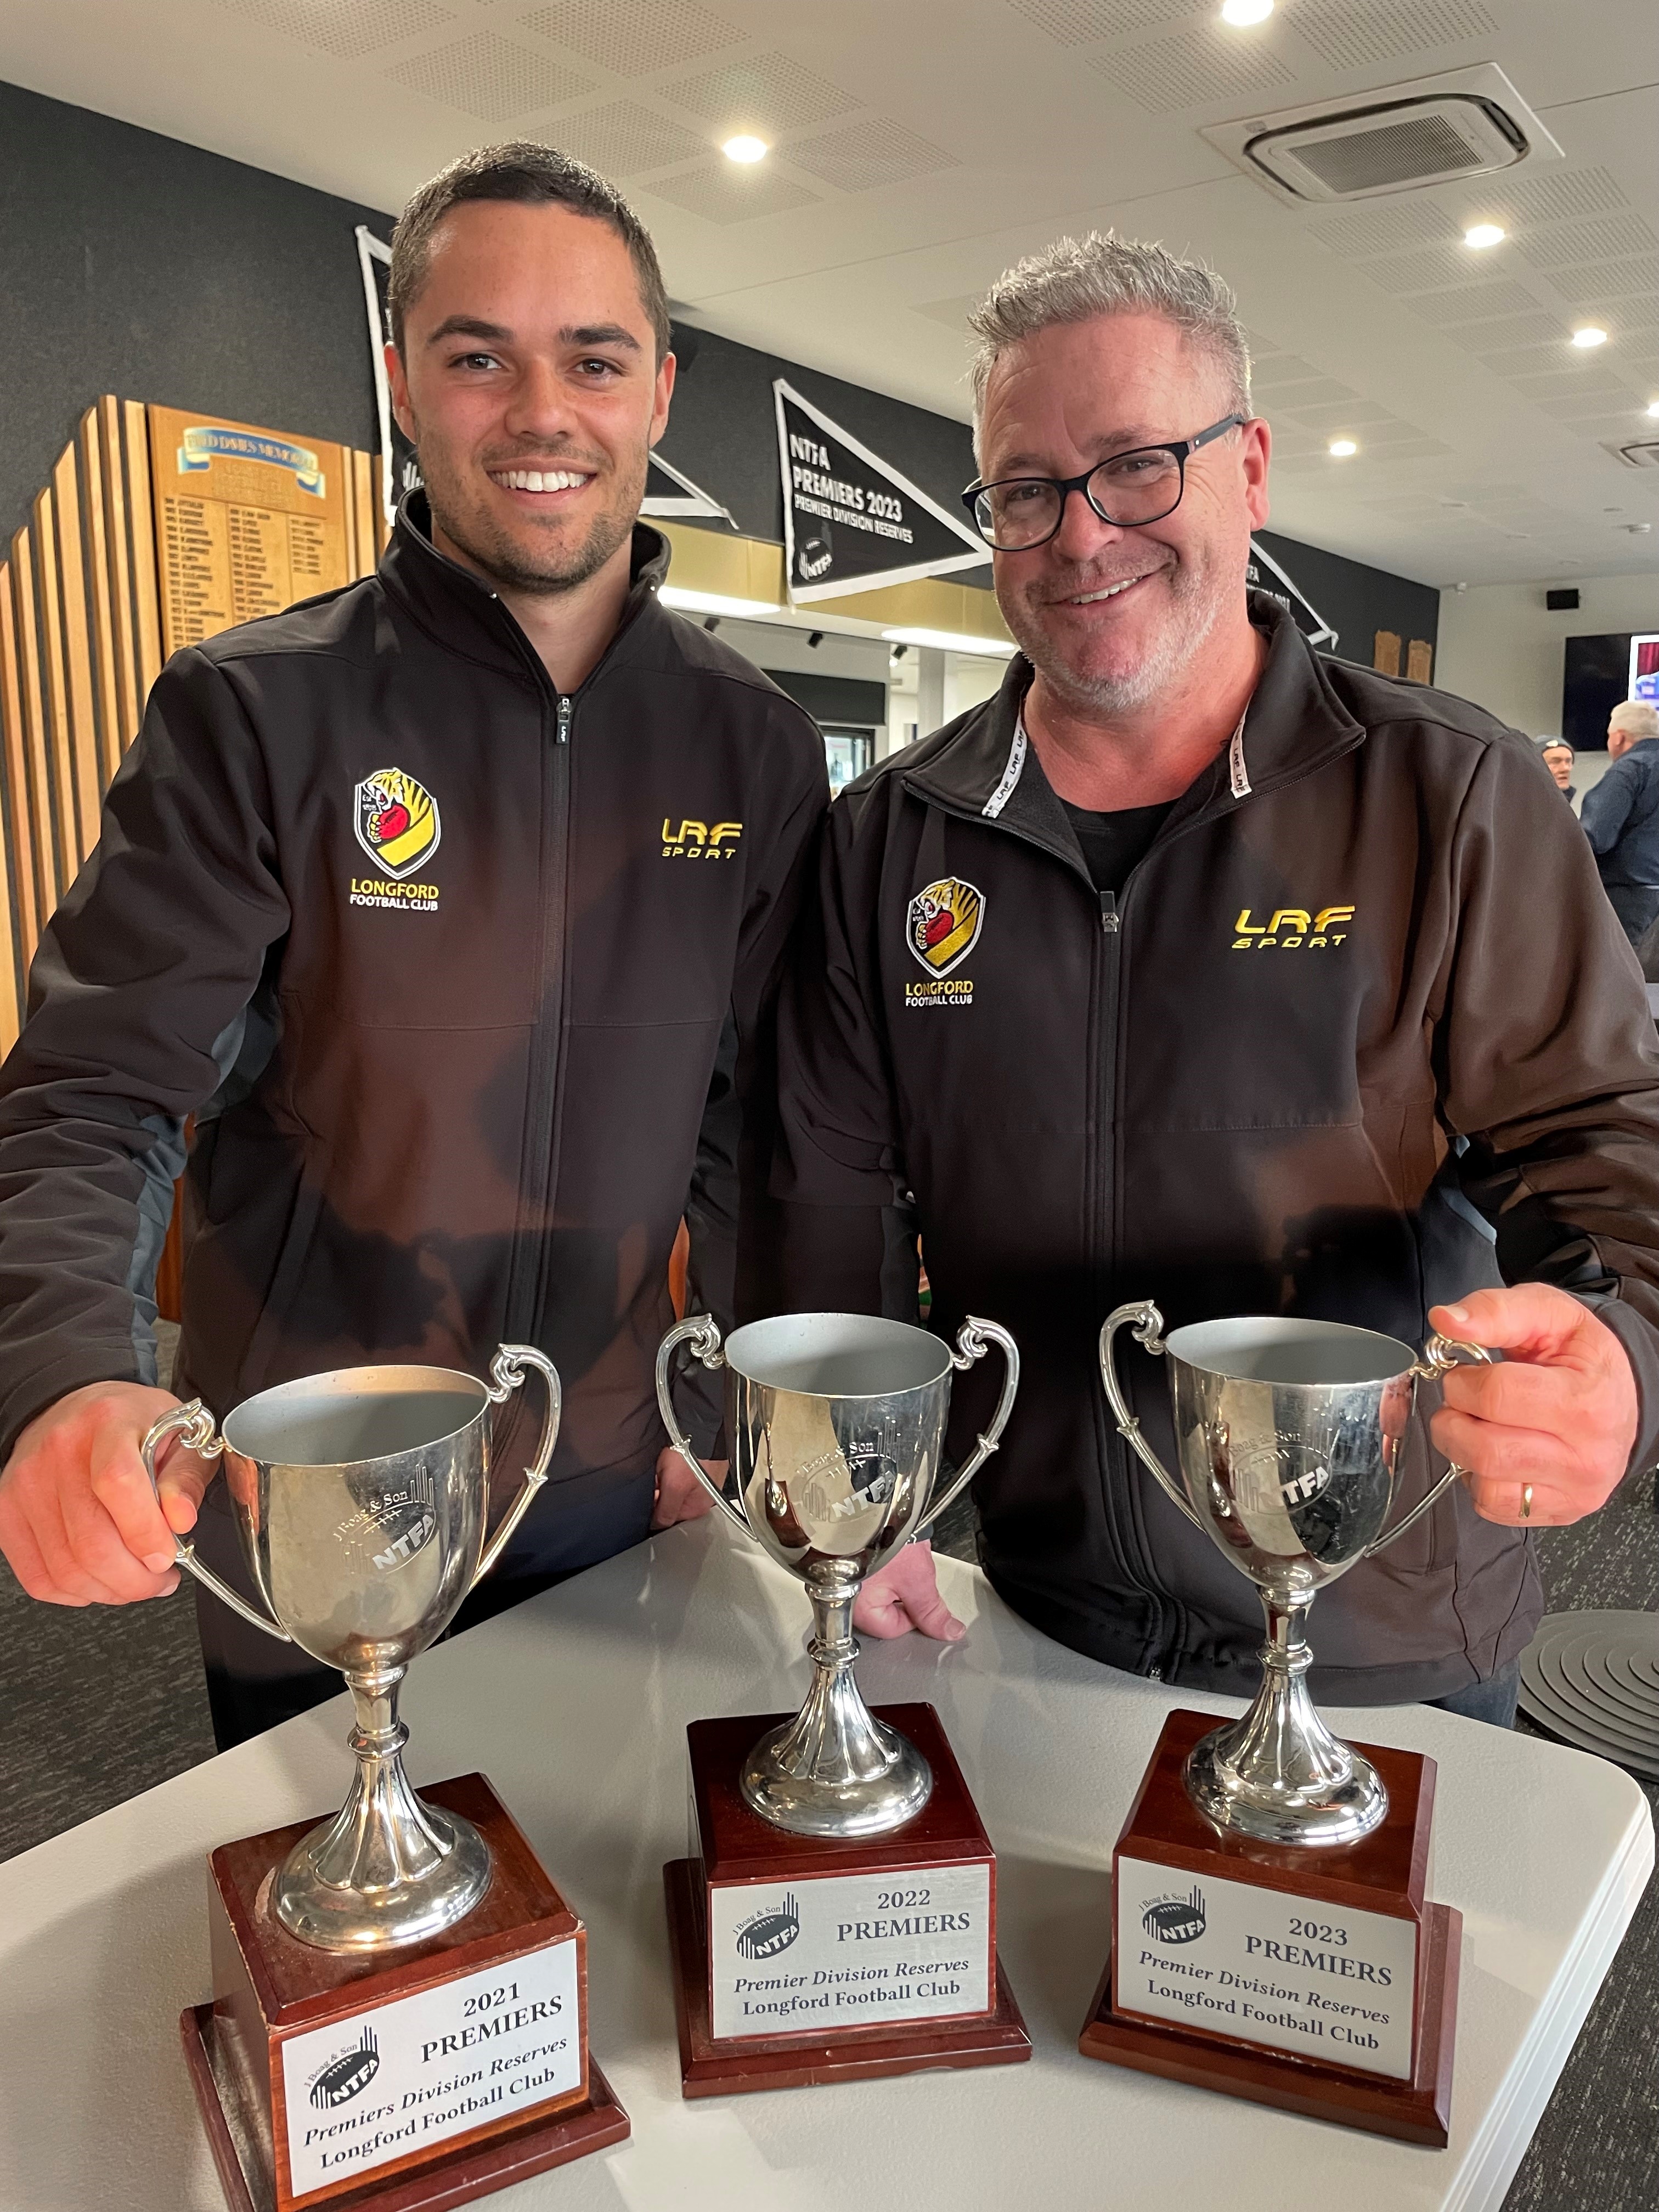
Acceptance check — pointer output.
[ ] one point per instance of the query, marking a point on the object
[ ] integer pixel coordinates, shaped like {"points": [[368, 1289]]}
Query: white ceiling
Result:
{"points": [[921, 145]]}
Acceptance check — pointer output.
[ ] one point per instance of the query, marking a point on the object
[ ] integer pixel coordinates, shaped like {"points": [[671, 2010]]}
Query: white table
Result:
{"points": [[575, 1705]]}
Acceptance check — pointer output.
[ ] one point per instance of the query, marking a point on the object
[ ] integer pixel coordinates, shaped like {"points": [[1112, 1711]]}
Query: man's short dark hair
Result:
{"points": [[1556, 745], [532, 176]]}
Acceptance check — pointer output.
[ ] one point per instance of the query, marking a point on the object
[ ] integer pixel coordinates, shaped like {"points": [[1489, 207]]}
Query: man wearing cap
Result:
{"points": [[1275, 986]]}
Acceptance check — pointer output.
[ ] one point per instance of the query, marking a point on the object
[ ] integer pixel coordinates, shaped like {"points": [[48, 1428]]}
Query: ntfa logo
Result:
{"points": [[1175, 1919], [698, 841], [395, 821], [347, 2074], [1291, 928], [769, 1931], [942, 925]]}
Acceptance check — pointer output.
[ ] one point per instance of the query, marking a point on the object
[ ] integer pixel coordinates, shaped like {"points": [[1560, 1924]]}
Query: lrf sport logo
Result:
{"points": [[1292, 929], [699, 841], [769, 1931], [1175, 1919]]}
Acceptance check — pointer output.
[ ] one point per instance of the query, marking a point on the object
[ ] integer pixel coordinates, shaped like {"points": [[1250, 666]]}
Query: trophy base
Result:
{"points": [[330, 1918], [1319, 1980], [801, 1959], [1342, 1814], [872, 1806], [389, 2081]]}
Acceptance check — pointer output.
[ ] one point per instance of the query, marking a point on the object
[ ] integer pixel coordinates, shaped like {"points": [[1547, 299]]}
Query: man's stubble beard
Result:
{"points": [[502, 558], [1200, 598]]}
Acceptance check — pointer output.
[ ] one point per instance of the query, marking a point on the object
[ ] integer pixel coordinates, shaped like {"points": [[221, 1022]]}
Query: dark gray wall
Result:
{"points": [[132, 263], [1356, 600]]}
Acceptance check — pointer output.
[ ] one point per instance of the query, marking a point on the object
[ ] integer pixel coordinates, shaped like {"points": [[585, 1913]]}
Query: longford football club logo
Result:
{"points": [[1175, 1919], [942, 925], [397, 822]]}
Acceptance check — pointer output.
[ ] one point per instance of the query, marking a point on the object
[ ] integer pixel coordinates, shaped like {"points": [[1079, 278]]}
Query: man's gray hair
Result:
{"points": [[1635, 717], [1076, 279]]}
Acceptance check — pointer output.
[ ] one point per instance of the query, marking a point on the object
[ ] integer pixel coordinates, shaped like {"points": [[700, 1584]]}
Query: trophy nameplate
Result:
{"points": [[801, 1959], [1323, 1982], [394, 2080]]}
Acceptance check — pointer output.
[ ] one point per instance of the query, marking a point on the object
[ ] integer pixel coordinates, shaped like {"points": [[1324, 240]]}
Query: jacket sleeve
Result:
{"points": [[137, 1000], [1607, 808], [731, 1270], [1547, 1064], [847, 1231]]}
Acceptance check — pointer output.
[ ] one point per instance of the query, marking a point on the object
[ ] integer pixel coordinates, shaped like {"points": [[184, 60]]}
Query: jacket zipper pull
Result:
{"points": [[1108, 913], [563, 721]]}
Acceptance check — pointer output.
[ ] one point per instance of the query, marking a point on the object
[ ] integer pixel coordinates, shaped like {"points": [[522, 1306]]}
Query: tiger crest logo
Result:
{"points": [[397, 822], [942, 925]]}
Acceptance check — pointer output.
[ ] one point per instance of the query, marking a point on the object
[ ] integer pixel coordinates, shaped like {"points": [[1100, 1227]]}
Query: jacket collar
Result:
{"points": [[1294, 723], [462, 612]]}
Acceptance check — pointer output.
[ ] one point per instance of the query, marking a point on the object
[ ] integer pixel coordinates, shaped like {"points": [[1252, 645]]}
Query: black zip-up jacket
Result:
{"points": [[1362, 1007], [467, 983]]}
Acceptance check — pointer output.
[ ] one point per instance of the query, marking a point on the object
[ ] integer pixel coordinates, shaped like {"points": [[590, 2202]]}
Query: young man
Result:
{"points": [[1244, 1006], [1558, 758], [394, 895]]}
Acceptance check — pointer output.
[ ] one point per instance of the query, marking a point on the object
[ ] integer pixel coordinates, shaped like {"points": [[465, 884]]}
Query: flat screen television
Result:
{"points": [[1595, 678]]}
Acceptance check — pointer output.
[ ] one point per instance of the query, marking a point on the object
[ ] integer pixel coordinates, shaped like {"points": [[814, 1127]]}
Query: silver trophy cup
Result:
{"points": [[361, 1499], [1289, 1434], [836, 1424]]}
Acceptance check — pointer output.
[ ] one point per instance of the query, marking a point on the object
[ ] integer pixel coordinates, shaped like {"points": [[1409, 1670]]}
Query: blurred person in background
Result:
{"points": [[1558, 758], [1621, 816]]}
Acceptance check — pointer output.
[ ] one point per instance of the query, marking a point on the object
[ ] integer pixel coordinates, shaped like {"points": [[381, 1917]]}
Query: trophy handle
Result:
{"points": [[972, 1345], [194, 1424], [1146, 1323], [1438, 1356], [506, 1376], [702, 1332]]}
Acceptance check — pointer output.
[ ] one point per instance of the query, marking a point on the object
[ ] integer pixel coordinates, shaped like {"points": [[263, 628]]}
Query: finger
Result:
{"points": [[1522, 1316], [930, 1614], [121, 1486], [65, 1569], [1524, 1396], [1520, 1506], [96, 1544], [877, 1613], [24, 1556], [1514, 1456], [181, 1486]]}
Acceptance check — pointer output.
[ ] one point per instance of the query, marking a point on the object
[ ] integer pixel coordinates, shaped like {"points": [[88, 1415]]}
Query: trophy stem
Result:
{"points": [[1279, 1775], [835, 1769], [386, 1869]]}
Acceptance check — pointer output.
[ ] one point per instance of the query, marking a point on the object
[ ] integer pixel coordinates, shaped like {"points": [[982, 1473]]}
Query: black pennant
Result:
{"points": [[851, 521], [1278, 586], [668, 492]]}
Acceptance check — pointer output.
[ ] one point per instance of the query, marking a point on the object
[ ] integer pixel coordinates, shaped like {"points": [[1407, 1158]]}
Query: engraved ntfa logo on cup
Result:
{"points": [[391, 1525], [769, 1931], [1175, 1919], [347, 2074]]}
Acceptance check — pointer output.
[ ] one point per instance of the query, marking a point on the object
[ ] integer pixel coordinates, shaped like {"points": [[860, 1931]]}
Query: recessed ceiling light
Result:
{"points": [[1653, 406], [714, 603], [745, 147], [1481, 235], [1589, 336], [1341, 448], [1241, 13], [950, 641]]}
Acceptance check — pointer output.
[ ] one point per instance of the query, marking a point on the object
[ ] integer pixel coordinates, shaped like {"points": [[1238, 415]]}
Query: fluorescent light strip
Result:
{"points": [[948, 641], [714, 603]]}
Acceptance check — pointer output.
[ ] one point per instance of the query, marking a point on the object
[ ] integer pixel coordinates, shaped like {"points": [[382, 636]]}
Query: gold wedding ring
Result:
{"points": [[1525, 1501]]}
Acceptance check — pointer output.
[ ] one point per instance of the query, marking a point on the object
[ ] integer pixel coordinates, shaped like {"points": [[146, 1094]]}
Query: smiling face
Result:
{"points": [[529, 383], [1112, 617]]}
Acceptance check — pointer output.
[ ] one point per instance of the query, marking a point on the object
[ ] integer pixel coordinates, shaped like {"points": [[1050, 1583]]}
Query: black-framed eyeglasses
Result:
{"points": [[1128, 490]]}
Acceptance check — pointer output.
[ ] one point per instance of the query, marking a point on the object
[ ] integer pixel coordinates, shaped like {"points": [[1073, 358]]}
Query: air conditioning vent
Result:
{"points": [[1399, 139], [1634, 453]]}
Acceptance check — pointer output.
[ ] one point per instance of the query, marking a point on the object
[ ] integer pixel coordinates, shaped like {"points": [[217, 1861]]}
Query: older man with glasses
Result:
{"points": [[1198, 968]]}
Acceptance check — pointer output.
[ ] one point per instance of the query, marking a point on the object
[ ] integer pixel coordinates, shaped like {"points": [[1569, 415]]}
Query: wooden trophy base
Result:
{"points": [[405, 2080], [903, 1920], [1338, 1903]]}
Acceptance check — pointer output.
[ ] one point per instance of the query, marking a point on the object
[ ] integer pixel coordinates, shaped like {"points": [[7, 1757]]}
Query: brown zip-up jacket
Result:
{"points": [[468, 984], [1360, 1035]]}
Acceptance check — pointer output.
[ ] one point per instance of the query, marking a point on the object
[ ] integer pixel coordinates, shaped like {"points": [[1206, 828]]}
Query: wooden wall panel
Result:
{"points": [[54, 676], [18, 920], [145, 599], [100, 594], [117, 507], [89, 783], [37, 772]]}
